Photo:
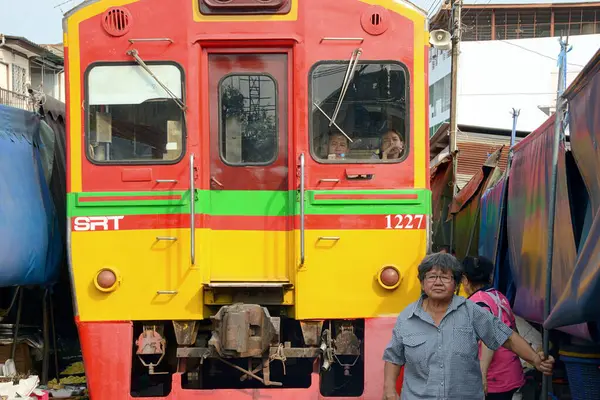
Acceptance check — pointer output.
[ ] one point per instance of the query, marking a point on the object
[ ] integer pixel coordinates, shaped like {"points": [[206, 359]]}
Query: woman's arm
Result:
{"points": [[494, 333], [486, 359], [390, 376], [520, 347], [393, 355]]}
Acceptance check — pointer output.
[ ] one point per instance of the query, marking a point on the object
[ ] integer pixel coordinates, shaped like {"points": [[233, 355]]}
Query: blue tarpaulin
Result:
{"points": [[491, 205], [493, 243], [31, 247]]}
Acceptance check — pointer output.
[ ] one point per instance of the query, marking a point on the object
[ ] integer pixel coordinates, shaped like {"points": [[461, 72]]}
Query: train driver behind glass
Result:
{"points": [[392, 146], [337, 148]]}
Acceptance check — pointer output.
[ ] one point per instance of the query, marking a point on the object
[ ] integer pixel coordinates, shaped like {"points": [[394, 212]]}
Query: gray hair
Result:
{"points": [[443, 261]]}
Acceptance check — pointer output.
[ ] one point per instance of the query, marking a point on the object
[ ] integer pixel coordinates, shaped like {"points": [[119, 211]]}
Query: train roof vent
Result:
{"points": [[117, 21], [375, 20]]}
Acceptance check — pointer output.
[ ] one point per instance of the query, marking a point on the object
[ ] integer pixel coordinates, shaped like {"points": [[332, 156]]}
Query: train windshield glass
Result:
{"points": [[359, 116], [131, 118]]}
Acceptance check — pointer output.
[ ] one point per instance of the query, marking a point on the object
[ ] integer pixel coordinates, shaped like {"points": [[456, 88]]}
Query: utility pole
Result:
{"points": [[558, 132], [513, 135], [456, 33]]}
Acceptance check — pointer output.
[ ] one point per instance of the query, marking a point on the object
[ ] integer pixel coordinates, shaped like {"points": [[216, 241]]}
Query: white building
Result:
{"points": [[25, 65], [508, 60]]}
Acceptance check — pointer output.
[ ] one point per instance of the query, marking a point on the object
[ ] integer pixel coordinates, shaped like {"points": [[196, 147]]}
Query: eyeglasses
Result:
{"points": [[443, 278]]}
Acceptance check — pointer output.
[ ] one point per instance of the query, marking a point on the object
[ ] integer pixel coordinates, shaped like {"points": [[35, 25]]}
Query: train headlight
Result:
{"points": [[107, 280], [389, 277]]}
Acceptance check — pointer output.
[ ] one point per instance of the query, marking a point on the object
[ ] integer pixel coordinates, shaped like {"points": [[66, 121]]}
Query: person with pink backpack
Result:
{"points": [[501, 370]]}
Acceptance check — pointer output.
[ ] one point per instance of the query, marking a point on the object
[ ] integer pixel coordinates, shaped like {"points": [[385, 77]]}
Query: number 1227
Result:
{"points": [[405, 221]]}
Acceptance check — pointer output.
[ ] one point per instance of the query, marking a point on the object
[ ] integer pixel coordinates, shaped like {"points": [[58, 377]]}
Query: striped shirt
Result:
{"points": [[441, 362]]}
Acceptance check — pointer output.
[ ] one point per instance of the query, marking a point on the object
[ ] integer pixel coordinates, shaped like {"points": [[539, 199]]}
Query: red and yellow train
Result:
{"points": [[248, 193]]}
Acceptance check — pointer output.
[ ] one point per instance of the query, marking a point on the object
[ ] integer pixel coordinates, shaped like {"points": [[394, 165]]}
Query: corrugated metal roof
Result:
{"points": [[474, 150], [31, 49]]}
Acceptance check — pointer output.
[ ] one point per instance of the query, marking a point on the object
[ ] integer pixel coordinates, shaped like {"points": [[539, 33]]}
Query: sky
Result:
{"points": [[41, 20], [37, 20]]}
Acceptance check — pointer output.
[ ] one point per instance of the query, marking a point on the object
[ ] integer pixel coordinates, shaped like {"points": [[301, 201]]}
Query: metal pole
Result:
{"points": [[53, 326], [456, 32], [546, 382], [503, 206], [46, 334], [13, 350], [513, 135]]}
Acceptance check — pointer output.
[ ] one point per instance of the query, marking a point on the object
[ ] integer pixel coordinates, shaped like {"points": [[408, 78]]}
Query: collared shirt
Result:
{"points": [[441, 362]]}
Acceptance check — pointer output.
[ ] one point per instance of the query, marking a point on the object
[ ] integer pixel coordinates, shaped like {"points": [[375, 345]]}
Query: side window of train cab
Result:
{"points": [[360, 119], [131, 119]]}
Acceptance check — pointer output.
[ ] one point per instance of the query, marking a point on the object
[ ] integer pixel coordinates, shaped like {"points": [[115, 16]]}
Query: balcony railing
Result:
{"points": [[16, 100]]}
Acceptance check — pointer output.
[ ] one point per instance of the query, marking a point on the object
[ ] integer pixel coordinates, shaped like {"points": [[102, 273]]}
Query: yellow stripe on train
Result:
{"points": [[158, 282]]}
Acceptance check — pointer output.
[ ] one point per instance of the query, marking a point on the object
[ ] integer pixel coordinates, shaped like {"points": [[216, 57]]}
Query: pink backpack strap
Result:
{"points": [[501, 307]]}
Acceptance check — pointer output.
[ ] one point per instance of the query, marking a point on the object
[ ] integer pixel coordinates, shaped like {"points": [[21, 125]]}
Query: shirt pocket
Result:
{"points": [[416, 352], [465, 343]]}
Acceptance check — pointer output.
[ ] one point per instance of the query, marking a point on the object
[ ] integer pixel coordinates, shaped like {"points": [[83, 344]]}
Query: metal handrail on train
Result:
{"points": [[302, 254], [192, 211]]}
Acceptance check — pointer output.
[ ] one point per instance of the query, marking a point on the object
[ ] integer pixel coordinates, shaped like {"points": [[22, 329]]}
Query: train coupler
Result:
{"points": [[243, 330], [346, 345], [151, 347]]}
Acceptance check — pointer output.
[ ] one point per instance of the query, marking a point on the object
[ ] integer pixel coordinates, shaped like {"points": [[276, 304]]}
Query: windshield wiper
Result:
{"points": [[347, 79], [134, 53], [334, 124]]}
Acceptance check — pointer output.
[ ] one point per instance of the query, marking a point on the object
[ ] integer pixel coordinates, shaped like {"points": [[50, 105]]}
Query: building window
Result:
{"points": [[19, 79], [432, 101], [478, 25], [365, 121], [131, 118], [248, 122], [523, 23]]}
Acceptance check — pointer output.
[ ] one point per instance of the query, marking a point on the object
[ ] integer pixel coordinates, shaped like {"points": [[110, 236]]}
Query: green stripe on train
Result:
{"points": [[249, 203]]}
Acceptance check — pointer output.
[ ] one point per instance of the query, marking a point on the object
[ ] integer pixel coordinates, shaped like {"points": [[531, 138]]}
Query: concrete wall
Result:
{"points": [[439, 88], [9, 58]]}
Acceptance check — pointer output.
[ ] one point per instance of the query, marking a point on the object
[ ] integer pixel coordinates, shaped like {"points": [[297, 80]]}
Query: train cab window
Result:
{"points": [[131, 118], [248, 119], [361, 117]]}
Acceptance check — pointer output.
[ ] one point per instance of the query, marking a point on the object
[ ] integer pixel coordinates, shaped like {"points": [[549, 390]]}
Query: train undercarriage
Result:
{"points": [[243, 346]]}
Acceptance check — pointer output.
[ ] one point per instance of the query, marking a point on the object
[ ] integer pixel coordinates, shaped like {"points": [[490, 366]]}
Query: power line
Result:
{"points": [[510, 43], [485, 6], [63, 3], [434, 5], [536, 52]]}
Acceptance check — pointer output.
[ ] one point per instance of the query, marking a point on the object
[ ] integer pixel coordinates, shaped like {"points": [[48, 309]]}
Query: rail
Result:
{"points": [[14, 99]]}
